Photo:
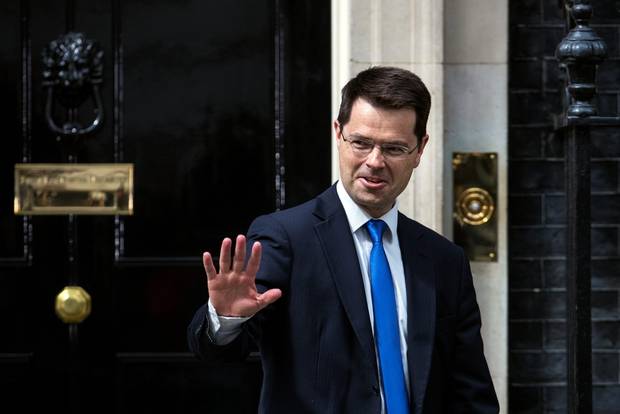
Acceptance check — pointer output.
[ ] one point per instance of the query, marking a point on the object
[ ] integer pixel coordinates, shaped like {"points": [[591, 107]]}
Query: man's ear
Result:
{"points": [[420, 149], [337, 131]]}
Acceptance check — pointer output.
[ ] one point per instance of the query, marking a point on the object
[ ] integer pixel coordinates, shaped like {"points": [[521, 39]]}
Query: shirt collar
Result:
{"points": [[358, 217]]}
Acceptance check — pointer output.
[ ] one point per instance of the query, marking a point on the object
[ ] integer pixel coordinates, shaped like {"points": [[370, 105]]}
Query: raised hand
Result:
{"points": [[233, 290]]}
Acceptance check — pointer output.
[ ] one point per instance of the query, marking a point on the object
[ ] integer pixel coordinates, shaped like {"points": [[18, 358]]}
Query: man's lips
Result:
{"points": [[372, 182]]}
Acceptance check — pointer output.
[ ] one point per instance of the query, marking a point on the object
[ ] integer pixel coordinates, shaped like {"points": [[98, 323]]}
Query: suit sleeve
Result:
{"points": [[474, 391], [204, 346], [273, 272]]}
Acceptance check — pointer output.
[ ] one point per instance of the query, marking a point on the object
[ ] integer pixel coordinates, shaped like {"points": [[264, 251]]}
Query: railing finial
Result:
{"points": [[579, 54]]}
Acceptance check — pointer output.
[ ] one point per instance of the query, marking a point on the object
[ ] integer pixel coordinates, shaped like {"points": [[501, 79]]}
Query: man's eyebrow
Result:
{"points": [[360, 136]]}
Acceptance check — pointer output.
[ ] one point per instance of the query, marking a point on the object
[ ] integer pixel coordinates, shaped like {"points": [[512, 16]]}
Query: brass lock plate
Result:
{"points": [[94, 189], [475, 204]]}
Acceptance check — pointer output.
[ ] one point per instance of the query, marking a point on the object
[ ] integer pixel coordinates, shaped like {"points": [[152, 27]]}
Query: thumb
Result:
{"points": [[267, 298]]}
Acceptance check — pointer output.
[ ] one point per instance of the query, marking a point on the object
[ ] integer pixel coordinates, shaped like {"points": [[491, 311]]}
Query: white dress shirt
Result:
{"points": [[357, 218], [224, 329]]}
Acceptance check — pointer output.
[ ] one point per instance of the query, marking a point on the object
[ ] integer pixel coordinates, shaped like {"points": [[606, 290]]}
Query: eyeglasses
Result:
{"points": [[364, 146]]}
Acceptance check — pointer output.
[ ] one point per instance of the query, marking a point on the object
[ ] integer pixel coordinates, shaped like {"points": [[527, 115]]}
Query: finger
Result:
{"points": [[225, 255], [239, 259], [268, 297], [254, 261], [207, 262]]}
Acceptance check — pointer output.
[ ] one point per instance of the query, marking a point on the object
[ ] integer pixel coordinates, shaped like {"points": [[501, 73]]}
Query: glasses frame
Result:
{"points": [[381, 147]]}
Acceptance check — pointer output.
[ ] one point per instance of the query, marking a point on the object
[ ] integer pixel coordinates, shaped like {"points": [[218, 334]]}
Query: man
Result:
{"points": [[355, 308]]}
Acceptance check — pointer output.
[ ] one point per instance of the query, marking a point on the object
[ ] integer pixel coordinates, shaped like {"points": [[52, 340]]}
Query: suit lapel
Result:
{"points": [[420, 281], [336, 240]]}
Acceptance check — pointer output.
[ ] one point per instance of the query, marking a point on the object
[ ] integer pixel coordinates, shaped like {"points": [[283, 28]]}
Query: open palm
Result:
{"points": [[233, 290]]}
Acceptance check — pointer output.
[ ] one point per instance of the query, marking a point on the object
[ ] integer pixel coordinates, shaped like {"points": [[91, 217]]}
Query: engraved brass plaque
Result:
{"points": [[475, 205], [92, 189]]}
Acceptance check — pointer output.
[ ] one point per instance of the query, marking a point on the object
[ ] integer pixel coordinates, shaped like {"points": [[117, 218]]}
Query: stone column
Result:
{"points": [[476, 120], [407, 34]]}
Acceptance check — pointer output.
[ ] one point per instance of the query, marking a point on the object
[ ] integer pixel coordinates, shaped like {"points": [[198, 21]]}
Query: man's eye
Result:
{"points": [[357, 143], [395, 150]]}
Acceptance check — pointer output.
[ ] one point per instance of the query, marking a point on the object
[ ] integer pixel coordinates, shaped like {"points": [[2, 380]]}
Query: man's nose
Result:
{"points": [[375, 159]]}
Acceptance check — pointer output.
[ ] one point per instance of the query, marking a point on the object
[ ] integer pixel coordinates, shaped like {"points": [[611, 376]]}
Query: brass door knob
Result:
{"points": [[73, 304]]}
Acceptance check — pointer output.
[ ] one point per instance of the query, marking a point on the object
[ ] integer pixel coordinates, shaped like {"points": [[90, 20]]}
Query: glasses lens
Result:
{"points": [[395, 151], [361, 146], [364, 147]]}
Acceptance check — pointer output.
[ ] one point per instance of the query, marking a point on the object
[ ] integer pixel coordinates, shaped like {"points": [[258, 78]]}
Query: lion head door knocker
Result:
{"points": [[72, 72]]}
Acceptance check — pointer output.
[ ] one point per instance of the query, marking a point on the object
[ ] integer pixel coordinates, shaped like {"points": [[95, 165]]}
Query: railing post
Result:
{"points": [[579, 54]]}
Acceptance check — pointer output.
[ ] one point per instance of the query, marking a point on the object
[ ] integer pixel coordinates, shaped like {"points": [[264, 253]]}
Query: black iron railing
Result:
{"points": [[579, 54]]}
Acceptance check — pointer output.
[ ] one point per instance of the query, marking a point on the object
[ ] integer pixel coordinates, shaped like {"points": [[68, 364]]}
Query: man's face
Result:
{"points": [[375, 180]]}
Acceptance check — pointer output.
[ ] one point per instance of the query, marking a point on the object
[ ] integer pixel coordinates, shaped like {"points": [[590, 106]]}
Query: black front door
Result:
{"points": [[223, 107]]}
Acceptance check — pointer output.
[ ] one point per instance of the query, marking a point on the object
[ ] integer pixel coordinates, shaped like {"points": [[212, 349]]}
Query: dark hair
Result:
{"points": [[388, 88]]}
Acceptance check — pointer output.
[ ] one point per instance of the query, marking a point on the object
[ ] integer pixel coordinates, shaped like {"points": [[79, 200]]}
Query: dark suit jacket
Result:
{"points": [[316, 342]]}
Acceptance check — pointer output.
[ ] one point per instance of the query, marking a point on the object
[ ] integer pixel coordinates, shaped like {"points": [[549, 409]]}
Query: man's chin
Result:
{"points": [[370, 202]]}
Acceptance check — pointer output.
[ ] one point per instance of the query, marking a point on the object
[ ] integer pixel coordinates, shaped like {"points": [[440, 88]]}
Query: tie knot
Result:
{"points": [[375, 230]]}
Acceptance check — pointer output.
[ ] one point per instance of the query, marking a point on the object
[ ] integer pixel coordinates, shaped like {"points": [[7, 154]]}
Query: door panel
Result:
{"points": [[178, 384], [13, 242], [198, 122], [224, 110]]}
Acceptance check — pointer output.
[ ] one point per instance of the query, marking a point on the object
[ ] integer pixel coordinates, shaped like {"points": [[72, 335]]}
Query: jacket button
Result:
{"points": [[375, 389]]}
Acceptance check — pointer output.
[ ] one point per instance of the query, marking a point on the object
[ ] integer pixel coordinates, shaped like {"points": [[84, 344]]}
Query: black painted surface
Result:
{"points": [[578, 292], [10, 73], [189, 92], [198, 108], [537, 268]]}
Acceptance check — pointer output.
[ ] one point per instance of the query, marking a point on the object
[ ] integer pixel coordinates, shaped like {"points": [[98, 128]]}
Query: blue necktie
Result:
{"points": [[387, 337]]}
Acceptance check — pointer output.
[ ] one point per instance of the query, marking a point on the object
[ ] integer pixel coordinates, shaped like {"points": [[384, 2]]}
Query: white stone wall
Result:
{"points": [[460, 49], [476, 119], [387, 32]]}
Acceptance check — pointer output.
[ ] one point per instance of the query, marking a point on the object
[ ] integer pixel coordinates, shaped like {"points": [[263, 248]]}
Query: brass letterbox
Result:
{"points": [[73, 189]]}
